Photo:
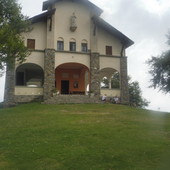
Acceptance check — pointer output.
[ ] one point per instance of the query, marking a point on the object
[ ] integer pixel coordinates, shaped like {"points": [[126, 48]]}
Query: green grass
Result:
{"points": [[83, 137]]}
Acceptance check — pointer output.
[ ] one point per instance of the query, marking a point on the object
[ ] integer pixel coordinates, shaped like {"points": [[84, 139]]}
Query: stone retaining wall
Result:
{"points": [[28, 98], [71, 99]]}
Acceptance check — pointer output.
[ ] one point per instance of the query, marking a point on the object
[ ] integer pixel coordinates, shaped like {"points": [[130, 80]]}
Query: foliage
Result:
{"points": [[160, 70], [115, 81], [12, 24], [135, 95], [105, 82], [83, 136]]}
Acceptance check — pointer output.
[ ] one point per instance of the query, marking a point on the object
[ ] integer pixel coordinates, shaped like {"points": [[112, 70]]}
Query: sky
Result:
{"points": [[146, 22]]}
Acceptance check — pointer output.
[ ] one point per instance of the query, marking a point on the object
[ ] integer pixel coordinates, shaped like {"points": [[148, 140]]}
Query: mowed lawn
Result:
{"points": [[83, 137]]}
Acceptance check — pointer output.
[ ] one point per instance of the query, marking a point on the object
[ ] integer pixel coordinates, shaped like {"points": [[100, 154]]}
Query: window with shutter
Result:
{"points": [[108, 50], [31, 43]]}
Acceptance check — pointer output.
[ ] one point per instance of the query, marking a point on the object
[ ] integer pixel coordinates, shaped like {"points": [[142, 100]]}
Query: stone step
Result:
{"points": [[71, 99]]}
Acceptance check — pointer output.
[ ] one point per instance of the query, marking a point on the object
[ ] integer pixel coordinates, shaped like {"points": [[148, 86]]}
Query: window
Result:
{"points": [[108, 50], [72, 46], [84, 47], [60, 45], [31, 43]]}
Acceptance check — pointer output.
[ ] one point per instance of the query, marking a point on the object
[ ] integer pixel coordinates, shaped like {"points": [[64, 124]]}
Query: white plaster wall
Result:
{"points": [[64, 11], [110, 62], [38, 33], [61, 28], [36, 58], [61, 58], [106, 39], [28, 91]]}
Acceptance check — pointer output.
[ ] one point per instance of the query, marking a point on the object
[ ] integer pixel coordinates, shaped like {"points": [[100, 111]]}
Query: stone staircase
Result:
{"points": [[71, 99]]}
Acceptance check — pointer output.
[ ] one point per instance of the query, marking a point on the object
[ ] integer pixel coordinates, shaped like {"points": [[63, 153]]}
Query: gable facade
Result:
{"points": [[73, 51]]}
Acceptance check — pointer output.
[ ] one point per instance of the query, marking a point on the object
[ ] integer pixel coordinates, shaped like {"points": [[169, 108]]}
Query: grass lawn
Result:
{"points": [[83, 137]]}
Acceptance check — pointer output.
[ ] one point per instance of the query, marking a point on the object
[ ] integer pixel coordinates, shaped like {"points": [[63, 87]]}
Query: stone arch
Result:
{"points": [[30, 75], [72, 40], [84, 41], [72, 78], [60, 39]]}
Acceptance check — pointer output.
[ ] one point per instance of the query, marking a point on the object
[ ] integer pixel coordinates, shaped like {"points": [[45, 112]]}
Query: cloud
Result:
{"points": [[147, 28], [157, 7]]}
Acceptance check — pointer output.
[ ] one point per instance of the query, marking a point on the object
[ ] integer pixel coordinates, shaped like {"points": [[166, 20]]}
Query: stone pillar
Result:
{"points": [[110, 83], [49, 73], [95, 74], [9, 96], [124, 81]]}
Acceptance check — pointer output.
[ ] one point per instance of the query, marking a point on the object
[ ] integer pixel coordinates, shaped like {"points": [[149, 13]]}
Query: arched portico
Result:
{"points": [[30, 75], [110, 82], [72, 78]]}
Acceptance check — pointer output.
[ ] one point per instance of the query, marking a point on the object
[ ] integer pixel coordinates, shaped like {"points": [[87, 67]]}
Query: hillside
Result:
{"points": [[83, 137]]}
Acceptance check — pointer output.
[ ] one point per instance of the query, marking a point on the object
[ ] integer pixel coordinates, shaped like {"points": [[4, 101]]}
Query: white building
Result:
{"points": [[73, 51]]}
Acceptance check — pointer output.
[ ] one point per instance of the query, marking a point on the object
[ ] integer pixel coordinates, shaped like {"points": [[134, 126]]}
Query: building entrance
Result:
{"points": [[64, 86], [72, 78]]}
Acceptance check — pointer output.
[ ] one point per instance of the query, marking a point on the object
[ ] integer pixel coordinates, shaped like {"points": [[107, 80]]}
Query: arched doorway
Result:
{"points": [[72, 78]]}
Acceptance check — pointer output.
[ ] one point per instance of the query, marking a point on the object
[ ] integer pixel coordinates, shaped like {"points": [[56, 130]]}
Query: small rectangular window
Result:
{"points": [[108, 50], [72, 46], [31, 43], [84, 47], [60, 45]]}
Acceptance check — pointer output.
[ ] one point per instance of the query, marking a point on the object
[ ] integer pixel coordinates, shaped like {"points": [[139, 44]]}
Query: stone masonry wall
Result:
{"points": [[71, 99], [9, 99], [49, 73], [95, 74], [124, 81], [28, 98]]}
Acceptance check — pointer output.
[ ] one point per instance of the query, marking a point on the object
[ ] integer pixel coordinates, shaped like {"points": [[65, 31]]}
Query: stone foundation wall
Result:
{"points": [[28, 98], [124, 81], [72, 99]]}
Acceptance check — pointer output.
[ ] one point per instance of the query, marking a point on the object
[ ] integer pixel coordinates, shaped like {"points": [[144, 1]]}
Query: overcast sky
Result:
{"points": [[146, 22]]}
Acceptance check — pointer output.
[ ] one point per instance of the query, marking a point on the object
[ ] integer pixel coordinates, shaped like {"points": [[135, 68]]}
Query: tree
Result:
{"points": [[115, 80], [135, 95], [12, 24], [160, 70]]}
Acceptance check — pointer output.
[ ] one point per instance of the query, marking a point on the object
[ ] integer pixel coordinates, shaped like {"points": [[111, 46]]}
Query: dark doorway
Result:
{"points": [[64, 86], [20, 79]]}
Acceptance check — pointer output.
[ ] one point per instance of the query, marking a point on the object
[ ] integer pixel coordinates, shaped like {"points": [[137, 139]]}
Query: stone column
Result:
{"points": [[49, 73], [95, 74], [110, 83], [9, 96], [124, 81]]}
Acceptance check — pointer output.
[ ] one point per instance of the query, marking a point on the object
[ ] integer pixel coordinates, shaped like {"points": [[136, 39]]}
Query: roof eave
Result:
{"points": [[127, 42], [48, 3], [42, 17]]}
